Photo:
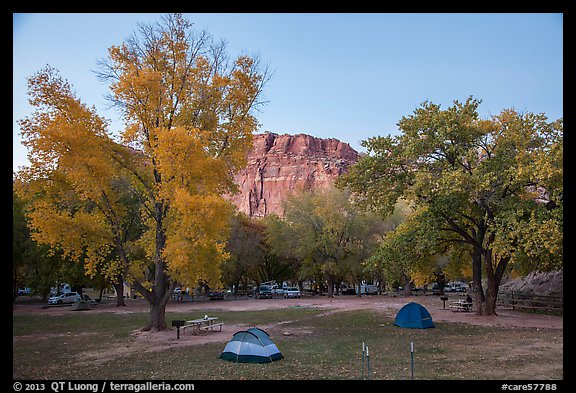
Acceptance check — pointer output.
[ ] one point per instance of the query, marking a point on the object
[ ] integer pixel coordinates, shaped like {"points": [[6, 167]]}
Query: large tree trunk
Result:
{"points": [[118, 285], [440, 280], [381, 286], [158, 298], [163, 287], [407, 285], [491, 297], [495, 268], [491, 286], [157, 316], [477, 290], [330, 280], [493, 279]]}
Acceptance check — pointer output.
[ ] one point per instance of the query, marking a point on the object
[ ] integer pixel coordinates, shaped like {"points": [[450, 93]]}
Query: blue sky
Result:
{"points": [[336, 75]]}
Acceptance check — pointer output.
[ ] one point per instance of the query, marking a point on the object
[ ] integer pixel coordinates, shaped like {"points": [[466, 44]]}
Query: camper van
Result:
{"points": [[60, 288], [458, 286], [368, 289]]}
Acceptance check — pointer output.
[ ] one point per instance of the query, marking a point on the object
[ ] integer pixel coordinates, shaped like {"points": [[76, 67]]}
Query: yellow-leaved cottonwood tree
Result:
{"points": [[147, 207]]}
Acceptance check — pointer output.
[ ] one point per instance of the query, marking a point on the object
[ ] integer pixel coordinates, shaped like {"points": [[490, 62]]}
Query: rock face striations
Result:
{"points": [[280, 165]]}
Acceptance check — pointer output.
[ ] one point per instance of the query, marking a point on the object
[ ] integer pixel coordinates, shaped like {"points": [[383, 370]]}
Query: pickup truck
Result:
{"points": [[265, 292]]}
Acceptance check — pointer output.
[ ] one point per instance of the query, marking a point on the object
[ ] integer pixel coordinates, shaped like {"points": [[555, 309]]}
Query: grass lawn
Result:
{"points": [[322, 347]]}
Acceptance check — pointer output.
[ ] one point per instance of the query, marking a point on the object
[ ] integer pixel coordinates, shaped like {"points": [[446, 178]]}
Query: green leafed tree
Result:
{"points": [[324, 230], [493, 185], [251, 257]]}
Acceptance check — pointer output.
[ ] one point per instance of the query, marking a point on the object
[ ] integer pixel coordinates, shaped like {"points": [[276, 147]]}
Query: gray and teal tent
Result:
{"points": [[414, 315], [251, 346], [80, 305]]}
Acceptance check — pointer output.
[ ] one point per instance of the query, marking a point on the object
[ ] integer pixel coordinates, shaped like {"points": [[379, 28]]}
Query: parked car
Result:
{"points": [[459, 286], [265, 292], [292, 292], [346, 289], [216, 295], [278, 291], [456, 287], [24, 291], [66, 297]]}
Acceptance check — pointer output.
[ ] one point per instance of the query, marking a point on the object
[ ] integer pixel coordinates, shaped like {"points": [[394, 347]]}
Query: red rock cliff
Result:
{"points": [[278, 165]]}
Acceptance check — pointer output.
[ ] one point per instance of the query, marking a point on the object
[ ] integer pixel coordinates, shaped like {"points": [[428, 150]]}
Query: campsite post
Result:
{"points": [[363, 360], [411, 360], [368, 362]]}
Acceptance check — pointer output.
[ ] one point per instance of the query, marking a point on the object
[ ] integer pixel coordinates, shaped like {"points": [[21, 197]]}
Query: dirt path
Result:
{"points": [[386, 305]]}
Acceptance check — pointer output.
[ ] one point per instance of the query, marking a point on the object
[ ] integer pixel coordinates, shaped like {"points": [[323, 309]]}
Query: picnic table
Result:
{"points": [[461, 305], [203, 324]]}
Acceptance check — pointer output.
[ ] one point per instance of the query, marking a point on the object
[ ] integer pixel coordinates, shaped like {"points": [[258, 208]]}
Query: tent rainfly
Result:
{"points": [[80, 305], [251, 346], [414, 315]]}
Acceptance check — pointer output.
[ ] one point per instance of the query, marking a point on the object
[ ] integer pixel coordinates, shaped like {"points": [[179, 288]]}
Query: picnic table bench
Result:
{"points": [[461, 305], [212, 326]]}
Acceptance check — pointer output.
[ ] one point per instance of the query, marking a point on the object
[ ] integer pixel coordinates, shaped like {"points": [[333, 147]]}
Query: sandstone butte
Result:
{"points": [[280, 165]]}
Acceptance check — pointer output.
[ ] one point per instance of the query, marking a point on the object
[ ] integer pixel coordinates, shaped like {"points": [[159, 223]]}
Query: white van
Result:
{"points": [[459, 286], [64, 287], [368, 289]]}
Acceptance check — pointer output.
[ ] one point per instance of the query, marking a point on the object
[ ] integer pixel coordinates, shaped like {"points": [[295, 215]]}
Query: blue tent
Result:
{"points": [[414, 315], [251, 346]]}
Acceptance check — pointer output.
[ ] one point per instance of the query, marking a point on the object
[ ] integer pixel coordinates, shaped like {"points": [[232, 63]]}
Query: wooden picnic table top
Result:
{"points": [[200, 321], [196, 325]]}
